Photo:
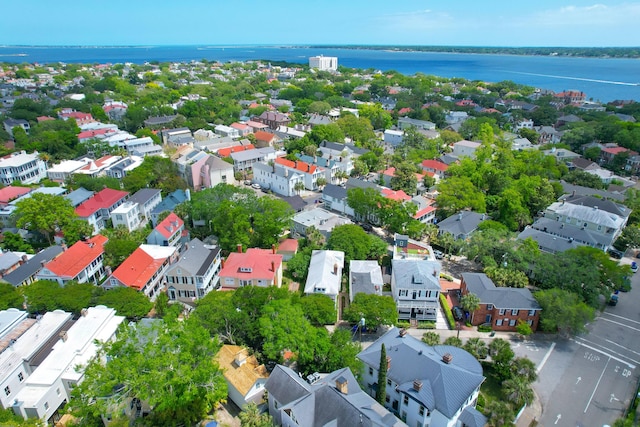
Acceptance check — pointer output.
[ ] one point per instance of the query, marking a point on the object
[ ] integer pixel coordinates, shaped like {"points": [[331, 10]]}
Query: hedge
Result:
{"points": [[447, 311]]}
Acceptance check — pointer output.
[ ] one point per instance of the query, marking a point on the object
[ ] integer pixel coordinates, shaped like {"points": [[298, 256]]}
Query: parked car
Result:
{"points": [[614, 253], [438, 254], [457, 312], [634, 266], [613, 300], [255, 185]]}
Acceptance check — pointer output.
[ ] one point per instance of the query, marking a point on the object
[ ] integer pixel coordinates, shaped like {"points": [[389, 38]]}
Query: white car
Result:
{"points": [[256, 186]]}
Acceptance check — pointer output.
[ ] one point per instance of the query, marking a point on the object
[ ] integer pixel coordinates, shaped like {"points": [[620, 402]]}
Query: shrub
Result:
{"points": [[484, 328], [447, 311], [426, 325], [400, 324]]}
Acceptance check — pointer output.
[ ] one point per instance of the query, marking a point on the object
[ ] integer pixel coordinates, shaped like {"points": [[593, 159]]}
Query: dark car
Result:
{"points": [[457, 312], [614, 253]]}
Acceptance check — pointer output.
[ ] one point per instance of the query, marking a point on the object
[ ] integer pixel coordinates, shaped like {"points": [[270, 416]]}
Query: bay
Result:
{"points": [[602, 79]]}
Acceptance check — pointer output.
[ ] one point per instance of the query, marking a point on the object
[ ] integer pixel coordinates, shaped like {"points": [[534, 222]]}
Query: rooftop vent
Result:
{"points": [[447, 358], [417, 385]]}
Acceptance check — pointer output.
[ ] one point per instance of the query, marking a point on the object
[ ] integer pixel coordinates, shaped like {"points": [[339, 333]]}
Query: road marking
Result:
{"points": [[558, 418], [621, 317], [596, 387], [546, 356], [621, 324], [579, 379], [613, 397], [628, 349], [618, 359]]}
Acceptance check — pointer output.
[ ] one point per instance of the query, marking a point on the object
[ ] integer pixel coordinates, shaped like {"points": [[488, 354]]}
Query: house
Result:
{"points": [[242, 128], [22, 339], [309, 172], [456, 117], [364, 277], [426, 386], [608, 154], [122, 167], [393, 137], [426, 212], [9, 193], [277, 179], [552, 239], [273, 119], [502, 307], [462, 224], [335, 198], [127, 215], [169, 232], [23, 167], [141, 147], [62, 172], [49, 386], [98, 208], [159, 122], [228, 131], [169, 203], [9, 124], [437, 168], [325, 273], [321, 219], [144, 270], [82, 263], [266, 139], [561, 154], [245, 377], [147, 200], [315, 119], [194, 274], [177, 137], [243, 161], [407, 122], [287, 248], [79, 117], [256, 267], [203, 171], [415, 287], [26, 272], [335, 399], [95, 168], [465, 148]]}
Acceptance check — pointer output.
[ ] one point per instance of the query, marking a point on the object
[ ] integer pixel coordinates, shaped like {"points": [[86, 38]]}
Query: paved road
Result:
{"points": [[590, 380]]}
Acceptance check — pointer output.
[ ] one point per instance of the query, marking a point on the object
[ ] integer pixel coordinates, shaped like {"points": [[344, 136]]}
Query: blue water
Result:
{"points": [[601, 79]]}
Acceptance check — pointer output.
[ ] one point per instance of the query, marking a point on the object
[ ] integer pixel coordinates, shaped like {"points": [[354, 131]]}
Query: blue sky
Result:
{"points": [[263, 22]]}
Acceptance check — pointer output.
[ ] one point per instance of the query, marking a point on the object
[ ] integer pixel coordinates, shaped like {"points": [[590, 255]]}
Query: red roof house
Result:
{"points": [[256, 267], [10, 193], [97, 209], [265, 138], [169, 232], [226, 152], [82, 262]]}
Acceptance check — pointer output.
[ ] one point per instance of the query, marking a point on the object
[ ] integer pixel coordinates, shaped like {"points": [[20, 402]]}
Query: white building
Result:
{"points": [[49, 386], [415, 287], [128, 215], [324, 63], [223, 130], [63, 171], [23, 167], [325, 273]]}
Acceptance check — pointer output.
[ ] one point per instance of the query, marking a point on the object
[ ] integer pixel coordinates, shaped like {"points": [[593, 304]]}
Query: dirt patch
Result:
{"points": [[458, 265]]}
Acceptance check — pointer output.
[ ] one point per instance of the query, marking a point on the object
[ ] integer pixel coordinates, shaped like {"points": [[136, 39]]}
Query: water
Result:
{"points": [[602, 79]]}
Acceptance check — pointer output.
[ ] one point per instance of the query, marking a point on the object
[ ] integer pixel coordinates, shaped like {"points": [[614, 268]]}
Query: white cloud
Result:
{"points": [[597, 15]]}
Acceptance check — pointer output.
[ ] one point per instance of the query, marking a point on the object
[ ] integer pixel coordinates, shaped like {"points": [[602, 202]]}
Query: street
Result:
{"points": [[590, 379]]}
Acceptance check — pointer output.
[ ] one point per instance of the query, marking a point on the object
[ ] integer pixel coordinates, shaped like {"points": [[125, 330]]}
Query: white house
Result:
{"points": [[415, 287], [245, 377], [127, 215], [23, 167], [325, 273]]}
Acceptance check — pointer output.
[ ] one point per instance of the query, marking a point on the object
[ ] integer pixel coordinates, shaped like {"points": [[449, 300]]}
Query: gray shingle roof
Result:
{"points": [[463, 223], [471, 417], [603, 205], [568, 231], [548, 242], [143, 195], [31, 267], [285, 385], [170, 202], [445, 386], [416, 274], [507, 298], [196, 259], [335, 191], [78, 196], [365, 276]]}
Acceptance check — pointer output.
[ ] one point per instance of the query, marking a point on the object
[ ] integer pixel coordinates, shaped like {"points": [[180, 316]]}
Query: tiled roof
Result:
{"points": [[226, 152], [435, 165], [138, 268], [253, 264], [104, 199], [75, 259], [298, 165], [9, 193], [169, 225], [241, 377], [398, 195], [264, 136]]}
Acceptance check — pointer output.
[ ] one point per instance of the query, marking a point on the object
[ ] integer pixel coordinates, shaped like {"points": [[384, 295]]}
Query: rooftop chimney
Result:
{"points": [[222, 262], [342, 385], [273, 248], [403, 332], [240, 358], [447, 358], [239, 248], [64, 247], [84, 312], [417, 385], [459, 216], [63, 335], [273, 266], [388, 362]]}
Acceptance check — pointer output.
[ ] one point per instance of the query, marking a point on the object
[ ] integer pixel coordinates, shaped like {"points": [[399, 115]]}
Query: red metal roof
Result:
{"points": [[435, 165], [395, 195], [264, 136], [288, 245], [169, 225], [615, 150], [301, 166], [136, 270], [226, 152], [424, 211], [75, 259], [256, 264], [10, 193], [101, 200]]}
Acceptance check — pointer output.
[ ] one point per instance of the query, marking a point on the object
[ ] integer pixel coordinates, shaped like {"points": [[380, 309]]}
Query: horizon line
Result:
{"points": [[310, 45]]}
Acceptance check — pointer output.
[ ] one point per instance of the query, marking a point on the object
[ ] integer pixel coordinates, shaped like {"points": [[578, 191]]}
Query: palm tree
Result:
{"points": [[454, 341], [518, 391], [524, 368], [251, 417], [477, 348], [299, 186], [431, 338], [498, 346], [470, 302], [500, 414]]}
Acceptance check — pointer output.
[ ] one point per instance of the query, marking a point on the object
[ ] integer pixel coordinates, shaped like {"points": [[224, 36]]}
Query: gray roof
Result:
{"points": [[336, 191], [568, 231], [365, 276], [32, 266], [170, 202], [160, 120], [548, 242], [143, 195], [358, 183], [78, 196], [448, 159], [322, 404], [416, 274], [464, 222], [242, 156], [8, 260], [445, 386], [471, 417], [587, 214], [586, 191], [602, 205], [196, 258], [507, 298], [296, 202], [217, 164]]}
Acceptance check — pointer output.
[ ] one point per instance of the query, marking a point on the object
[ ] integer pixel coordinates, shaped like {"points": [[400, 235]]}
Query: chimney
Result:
{"points": [[447, 358], [240, 358], [273, 248], [64, 247], [342, 385], [459, 216], [42, 263], [84, 312], [63, 336], [273, 266], [573, 193], [403, 332], [222, 262], [335, 268], [239, 248], [388, 362], [24, 259], [417, 385]]}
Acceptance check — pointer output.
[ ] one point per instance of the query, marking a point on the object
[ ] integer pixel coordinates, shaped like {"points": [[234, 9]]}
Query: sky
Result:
{"points": [[336, 22]]}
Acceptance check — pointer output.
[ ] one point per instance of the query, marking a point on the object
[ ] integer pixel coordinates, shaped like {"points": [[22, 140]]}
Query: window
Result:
{"points": [[404, 416], [46, 405], [58, 391], [20, 377], [501, 311], [405, 400], [387, 398], [388, 382], [532, 312], [514, 312], [512, 322], [499, 322], [421, 411], [489, 306], [370, 371], [7, 391]]}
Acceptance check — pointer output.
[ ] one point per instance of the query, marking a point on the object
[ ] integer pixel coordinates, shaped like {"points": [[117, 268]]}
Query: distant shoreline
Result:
{"points": [[579, 52]]}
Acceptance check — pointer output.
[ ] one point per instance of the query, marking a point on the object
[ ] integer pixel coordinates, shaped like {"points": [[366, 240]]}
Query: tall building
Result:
{"points": [[324, 63]]}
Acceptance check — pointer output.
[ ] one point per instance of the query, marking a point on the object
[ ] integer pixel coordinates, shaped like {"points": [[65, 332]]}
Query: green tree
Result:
{"points": [[381, 394], [10, 297], [250, 416], [499, 414], [15, 242], [470, 302], [459, 193], [501, 356], [454, 341], [404, 178], [477, 348], [524, 368], [377, 310], [169, 365], [518, 391], [563, 311], [356, 243], [76, 230], [431, 338], [319, 309], [379, 118], [523, 328], [127, 302], [44, 213], [9, 419]]}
